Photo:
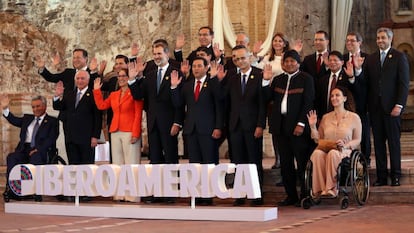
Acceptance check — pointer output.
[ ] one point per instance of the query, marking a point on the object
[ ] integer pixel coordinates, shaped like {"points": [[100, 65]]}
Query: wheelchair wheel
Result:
{"points": [[359, 177], [344, 202], [308, 179], [306, 203]]}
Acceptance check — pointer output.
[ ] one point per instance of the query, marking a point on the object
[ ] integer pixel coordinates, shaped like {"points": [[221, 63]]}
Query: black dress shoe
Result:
{"points": [[395, 182], [169, 200], [239, 202], [257, 202], [287, 202], [380, 183]]}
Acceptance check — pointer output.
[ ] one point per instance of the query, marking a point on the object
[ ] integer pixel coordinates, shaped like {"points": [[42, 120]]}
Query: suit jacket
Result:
{"points": [[205, 114], [127, 115], [299, 102], [359, 89], [83, 122], [321, 102], [246, 110], [159, 106], [68, 79], [309, 66], [391, 81], [151, 66], [46, 135]]}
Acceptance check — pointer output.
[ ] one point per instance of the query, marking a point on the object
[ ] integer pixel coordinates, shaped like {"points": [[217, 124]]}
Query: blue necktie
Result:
{"points": [[243, 86], [78, 96], [159, 77], [35, 129], [382, 57]]}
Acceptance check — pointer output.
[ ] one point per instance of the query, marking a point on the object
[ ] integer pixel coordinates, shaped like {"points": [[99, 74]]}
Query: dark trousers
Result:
{"points": [[202, 148], [386, 128], [366, 135], [22, 157], [163, 148], [247, 149], [80, 153], [290, 148]]}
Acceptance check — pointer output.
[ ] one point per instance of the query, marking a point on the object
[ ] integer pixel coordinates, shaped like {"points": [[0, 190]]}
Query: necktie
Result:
{"points": [[382, 57], [243, 84], [333, 85], [78, 97], [35, 128], [318, 63], [352, 60], [283, 107], [159, 77], [197, 90]]}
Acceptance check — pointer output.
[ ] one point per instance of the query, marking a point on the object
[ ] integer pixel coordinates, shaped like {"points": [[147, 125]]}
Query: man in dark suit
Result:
{"points": [[387, 74], [359, 90], [337, 76], [164, 120], [38, 135], [79, 62], [203, 98], [83, 120], [315, 64], [205, 37], [292, 94], [247, 114]]}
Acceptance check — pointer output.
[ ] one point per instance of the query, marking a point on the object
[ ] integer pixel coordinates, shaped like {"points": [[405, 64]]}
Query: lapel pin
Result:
{"points": [[87, 94], [390, 56], [251, 77], [166, 78]]}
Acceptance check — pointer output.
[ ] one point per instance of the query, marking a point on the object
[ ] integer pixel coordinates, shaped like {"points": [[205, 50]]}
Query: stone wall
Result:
{"points": [[107, 27]]}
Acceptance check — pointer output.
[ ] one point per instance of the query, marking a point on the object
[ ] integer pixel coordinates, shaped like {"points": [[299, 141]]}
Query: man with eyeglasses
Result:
{"points": [[246, 115], [205, 38], [359, 89]]}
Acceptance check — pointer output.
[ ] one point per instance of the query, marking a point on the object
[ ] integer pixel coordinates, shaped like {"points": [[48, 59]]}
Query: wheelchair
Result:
{"points": [[53, 157], [352, 175]]}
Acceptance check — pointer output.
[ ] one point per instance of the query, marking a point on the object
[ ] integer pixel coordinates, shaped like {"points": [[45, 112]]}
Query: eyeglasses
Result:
{"points": [[351, 41], [239, 58]]}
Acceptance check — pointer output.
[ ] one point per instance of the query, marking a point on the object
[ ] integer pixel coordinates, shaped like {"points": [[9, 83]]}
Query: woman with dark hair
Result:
{"points": [[125, 126], [339, 133], [280, 44]]}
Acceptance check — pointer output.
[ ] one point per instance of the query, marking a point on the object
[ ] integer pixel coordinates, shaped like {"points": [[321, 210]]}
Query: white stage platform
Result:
{"points": [[210, 213]]}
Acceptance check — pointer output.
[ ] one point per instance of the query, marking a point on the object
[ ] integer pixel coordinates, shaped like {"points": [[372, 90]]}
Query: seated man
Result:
{"points": [[38, 135]]}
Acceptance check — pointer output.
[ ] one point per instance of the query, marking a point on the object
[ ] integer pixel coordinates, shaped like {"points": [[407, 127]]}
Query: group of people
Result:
{"points": [[306, 102]]}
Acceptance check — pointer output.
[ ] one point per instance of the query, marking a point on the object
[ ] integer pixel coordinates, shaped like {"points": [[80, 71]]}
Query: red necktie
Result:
{"points": [[318, 63], [352, 59], [333, 83], [197, 90]]}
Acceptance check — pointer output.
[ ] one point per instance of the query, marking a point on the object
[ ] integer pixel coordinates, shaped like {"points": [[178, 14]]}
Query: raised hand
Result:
{"points": [[349, 69], [216, 50], [175, 79], [97, 84], [39, 62], [180, 41], [297, 45], [102, 67], [312, 118], [185, 67], [221, 73], [59, 89], [56, 60], [134, 49], [257, 47], [267, 72], [4, 101], [325, 57], [359, 61], [93, 65]]}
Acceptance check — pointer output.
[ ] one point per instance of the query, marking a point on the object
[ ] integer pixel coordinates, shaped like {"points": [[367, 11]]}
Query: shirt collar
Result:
{"points": [[386, 50], [247, 73]]}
